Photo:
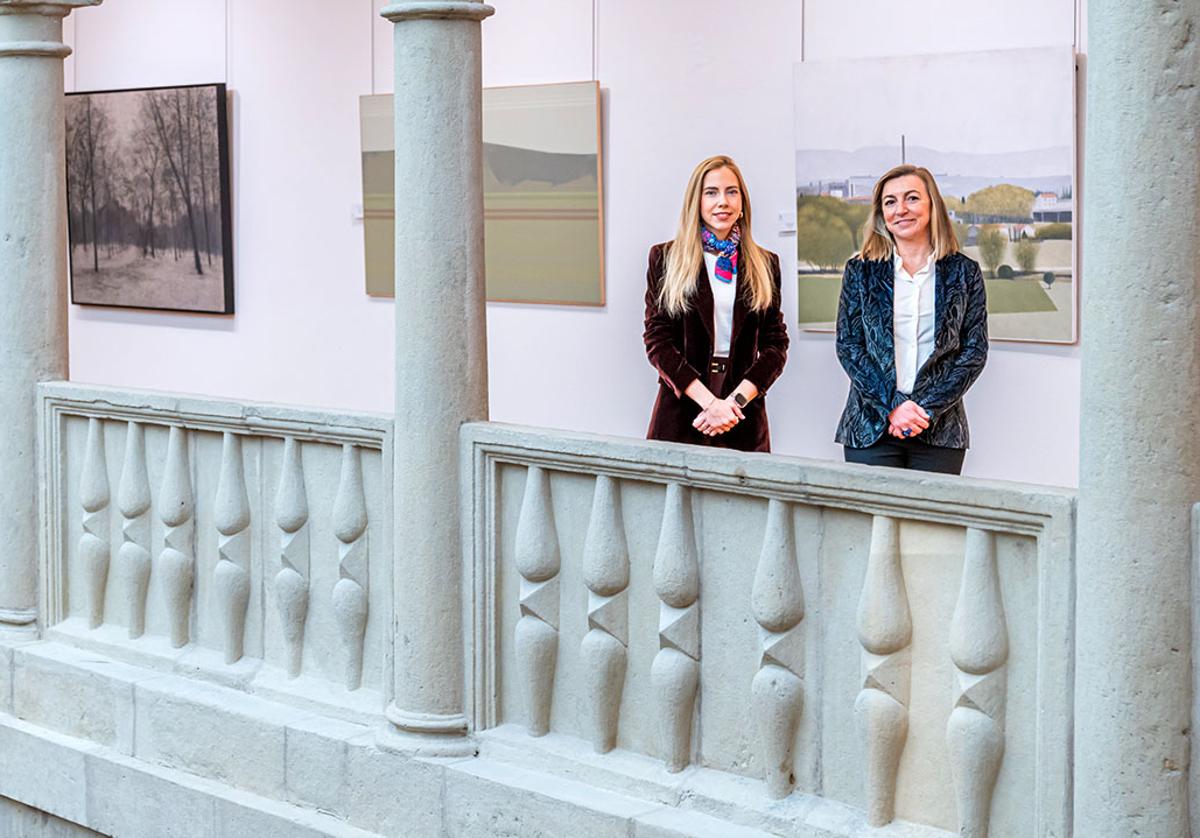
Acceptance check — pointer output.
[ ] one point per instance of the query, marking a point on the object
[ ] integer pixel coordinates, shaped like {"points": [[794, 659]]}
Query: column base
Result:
{"points": [[426, 734], [18, 624]]}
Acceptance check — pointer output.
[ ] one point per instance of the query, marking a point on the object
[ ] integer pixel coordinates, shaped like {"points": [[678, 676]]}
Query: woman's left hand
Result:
{"points": [[907, 420]]}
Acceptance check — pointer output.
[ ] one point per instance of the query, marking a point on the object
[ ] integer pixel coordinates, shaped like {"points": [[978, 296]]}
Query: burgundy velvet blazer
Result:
{"points": [[681, 347]]}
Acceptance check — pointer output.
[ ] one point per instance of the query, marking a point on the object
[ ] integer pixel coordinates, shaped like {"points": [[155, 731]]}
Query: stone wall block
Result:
{"points": [[606, 574], [979, 648], [538, 562], [231, 576], [291, 582], [133, 557], [885, 632], [777, 691], [350, 592], [94, 545], [176, 563]]}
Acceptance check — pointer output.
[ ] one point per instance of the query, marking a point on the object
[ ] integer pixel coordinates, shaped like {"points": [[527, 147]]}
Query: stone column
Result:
{"points": [[441, 354], [33, 271], [1140, 448]]}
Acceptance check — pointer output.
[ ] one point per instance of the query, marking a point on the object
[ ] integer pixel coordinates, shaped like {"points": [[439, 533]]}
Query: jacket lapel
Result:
{"points": [[704, 305], [882, 276], [945, 282]]}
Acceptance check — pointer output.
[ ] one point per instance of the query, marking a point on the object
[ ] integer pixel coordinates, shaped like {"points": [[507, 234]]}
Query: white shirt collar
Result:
{"points": [[920, 275]]}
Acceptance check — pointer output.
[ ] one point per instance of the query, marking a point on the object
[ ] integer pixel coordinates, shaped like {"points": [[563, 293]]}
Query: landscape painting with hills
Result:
{"points": [[1002, 154]]}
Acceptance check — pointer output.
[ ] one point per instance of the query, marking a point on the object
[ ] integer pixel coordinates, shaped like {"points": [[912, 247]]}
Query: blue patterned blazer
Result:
{"points": [[867, 352]]}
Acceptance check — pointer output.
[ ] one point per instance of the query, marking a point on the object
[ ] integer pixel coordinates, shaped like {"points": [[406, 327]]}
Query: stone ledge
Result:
{"points": [[702, 797], [118, 795], [209, 760]]}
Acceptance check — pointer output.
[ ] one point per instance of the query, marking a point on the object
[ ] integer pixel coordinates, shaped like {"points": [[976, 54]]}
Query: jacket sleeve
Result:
{"points": [[663, 334], [877, 389], [948, 387], [772, 339]]}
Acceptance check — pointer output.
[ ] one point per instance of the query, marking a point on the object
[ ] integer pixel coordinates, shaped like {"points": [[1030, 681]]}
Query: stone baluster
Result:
{"points": [[231, 577], [441, 347], [885, 632], [538, 563], [350, 592], [979, 648], [33, 277], [291, 582], [777, 696], [176, 563], [606, 574], [675, 673], [133, 557], [94, 546]]}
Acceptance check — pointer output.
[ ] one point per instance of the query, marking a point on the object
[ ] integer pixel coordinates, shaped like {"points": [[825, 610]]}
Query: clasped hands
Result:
{"points": [[718, 417], [907, 420]]}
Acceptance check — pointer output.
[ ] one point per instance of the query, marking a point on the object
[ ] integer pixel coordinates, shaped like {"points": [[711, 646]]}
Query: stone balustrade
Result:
{"points": [[835, 645], [801, 648], [246, 545]]}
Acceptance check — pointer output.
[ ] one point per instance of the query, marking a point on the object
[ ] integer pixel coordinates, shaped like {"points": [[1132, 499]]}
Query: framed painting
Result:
{"points": [[542, 196], [148, 199], [996, 129]]}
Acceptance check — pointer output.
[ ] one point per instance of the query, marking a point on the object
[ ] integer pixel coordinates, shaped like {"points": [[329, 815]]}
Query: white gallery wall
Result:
{"points": [[681, 80]]}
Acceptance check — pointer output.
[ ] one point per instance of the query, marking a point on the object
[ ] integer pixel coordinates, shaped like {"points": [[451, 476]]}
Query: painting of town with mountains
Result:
{"points": [[542, 201], [997, 131], [148, 199]]}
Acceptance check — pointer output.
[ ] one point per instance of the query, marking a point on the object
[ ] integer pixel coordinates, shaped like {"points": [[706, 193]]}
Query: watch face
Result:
{"points": [[739, 399]]}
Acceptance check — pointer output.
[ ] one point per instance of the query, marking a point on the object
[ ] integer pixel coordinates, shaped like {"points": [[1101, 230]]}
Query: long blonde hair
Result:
{"points": [[877, 239], [685, 254]]}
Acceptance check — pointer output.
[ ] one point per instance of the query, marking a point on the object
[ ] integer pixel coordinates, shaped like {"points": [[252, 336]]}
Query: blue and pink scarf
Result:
{"points": [[725, 250]]}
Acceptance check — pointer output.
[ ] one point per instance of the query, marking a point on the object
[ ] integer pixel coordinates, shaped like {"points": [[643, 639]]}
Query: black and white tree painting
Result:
{"points": [[148, 199]]}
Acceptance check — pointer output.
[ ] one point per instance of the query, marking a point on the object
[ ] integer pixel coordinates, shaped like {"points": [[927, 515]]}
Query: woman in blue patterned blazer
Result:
{"points": [[911, 331]]}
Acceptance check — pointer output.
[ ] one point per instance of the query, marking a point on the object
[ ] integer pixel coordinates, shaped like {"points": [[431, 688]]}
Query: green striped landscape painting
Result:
{"points": [[543, 209]]}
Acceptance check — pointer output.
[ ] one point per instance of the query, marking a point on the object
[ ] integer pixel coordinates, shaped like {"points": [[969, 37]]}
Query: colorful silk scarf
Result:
{"points": [[725, 250]]}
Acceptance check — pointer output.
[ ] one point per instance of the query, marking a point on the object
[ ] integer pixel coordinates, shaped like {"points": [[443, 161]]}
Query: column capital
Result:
{"points": [[45, 8], [443, 9]]}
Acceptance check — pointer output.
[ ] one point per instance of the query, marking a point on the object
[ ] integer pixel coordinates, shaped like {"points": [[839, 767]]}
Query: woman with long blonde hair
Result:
{"points": [[912, 331], [713, 329]]}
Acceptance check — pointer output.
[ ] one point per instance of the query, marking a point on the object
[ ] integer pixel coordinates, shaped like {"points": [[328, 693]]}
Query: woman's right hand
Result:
{"points": [[718, 417]]}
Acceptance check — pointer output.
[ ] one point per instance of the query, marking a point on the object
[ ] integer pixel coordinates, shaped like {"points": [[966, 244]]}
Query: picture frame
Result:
{"points": [[543, 194], [149, 200]]}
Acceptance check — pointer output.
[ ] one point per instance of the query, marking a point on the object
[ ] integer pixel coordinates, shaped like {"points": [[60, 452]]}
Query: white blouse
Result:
{"points": [[912, 321], [724, 294]]}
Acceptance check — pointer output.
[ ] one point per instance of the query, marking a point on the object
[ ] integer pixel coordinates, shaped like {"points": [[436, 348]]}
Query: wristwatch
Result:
{"points": [[740, 400]]}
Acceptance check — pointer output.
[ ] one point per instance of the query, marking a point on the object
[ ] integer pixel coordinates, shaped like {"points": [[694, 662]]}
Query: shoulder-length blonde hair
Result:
{"points": [[877, 240], [685, 254]]}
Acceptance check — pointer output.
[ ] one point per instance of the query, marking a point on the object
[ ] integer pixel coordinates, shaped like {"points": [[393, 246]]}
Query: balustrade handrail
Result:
{"points": [[207, 413], [920, 496]]}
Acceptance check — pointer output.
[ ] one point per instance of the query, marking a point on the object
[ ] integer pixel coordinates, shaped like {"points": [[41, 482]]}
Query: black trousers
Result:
{"points": [[908, 453]]}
